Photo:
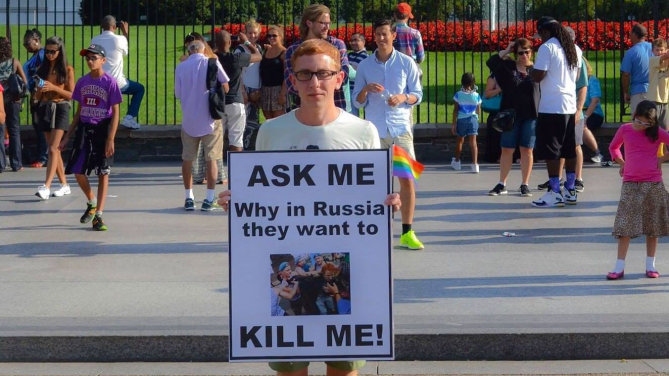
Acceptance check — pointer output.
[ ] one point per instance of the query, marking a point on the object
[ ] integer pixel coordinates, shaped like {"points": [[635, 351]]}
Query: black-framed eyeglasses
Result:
{"points": [[272, 35], [50, 52], [525, 52], [322, 75]]}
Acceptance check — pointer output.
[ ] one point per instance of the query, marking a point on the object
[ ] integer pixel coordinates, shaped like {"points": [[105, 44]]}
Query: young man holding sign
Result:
{"points": [[316, 124]]}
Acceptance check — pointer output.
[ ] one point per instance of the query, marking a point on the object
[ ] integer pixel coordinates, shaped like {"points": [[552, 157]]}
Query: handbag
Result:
{"points": [[491, 104], [14, 88], [503, 120], [216, 94]]}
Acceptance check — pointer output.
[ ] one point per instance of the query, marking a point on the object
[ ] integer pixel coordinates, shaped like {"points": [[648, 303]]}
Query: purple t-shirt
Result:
{"points": [[96, 97]]}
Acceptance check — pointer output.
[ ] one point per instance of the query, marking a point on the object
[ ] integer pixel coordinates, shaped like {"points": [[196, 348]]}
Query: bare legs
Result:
{"points": [[54, 164]]}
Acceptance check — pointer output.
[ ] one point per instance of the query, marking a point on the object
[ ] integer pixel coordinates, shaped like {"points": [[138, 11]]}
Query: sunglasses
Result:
{"points": [[526, 52], [50, 52], [92, 58], [272, 35], [191, 37], [642, 123]]}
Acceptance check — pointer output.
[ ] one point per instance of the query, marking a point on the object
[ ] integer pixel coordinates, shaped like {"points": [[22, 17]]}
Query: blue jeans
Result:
{"points": [[12, 111], [137, 91]]}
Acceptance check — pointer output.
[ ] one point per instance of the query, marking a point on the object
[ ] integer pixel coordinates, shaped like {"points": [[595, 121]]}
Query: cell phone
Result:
{"points": [[119, 23], [234, 38]]}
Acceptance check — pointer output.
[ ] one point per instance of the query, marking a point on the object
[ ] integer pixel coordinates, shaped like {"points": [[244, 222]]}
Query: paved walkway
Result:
{"points": [[154, 287]]}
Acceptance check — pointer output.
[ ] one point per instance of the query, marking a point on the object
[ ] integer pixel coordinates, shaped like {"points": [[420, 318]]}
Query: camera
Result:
{"points": [[234, 38], [39, 82], [119, 23]]}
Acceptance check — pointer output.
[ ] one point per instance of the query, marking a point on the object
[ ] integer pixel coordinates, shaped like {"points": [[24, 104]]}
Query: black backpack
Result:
{"points": [[216, 94], [14, 88]]}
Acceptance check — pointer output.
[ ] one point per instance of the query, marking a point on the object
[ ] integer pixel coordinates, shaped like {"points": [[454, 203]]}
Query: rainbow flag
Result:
{"points": [[404, 166]]}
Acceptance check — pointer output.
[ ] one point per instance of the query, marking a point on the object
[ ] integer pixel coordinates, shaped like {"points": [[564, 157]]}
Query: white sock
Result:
{"points": [[650, 264], [504, 184], [210, 194], [620, 266], [93, 202], [189, 194]]}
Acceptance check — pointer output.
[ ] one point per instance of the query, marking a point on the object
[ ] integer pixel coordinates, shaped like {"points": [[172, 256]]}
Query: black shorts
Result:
{"points": [[88, 150], [556, 137], [594, 122], [52, 115]]}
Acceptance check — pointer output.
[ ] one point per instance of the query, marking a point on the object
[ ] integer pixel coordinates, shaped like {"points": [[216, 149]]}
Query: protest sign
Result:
{"points": [[310, 241]]}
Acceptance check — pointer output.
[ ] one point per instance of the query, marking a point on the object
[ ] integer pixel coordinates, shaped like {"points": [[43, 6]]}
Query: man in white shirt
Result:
{"points": [[556, 69], [116, 47], [387, 86]]}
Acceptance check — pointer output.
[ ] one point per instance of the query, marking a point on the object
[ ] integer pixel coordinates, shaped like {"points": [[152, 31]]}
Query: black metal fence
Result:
{"points": [[459, 36]]}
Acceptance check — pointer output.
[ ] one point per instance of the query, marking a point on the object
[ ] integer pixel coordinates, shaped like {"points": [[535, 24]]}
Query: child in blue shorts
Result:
{"points": [[466, 112]]}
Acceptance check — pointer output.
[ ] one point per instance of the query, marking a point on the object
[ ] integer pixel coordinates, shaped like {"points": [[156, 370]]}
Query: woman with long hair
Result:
{"points": [[273, 88], [54, 83], [8, 66]]}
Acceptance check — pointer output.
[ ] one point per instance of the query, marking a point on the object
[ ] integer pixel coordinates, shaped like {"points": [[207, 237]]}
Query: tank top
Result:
{"points": [[271, 70], [6, 69]]}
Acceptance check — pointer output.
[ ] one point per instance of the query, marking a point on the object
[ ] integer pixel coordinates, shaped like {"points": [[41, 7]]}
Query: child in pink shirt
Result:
{"points": [[644, 202]]}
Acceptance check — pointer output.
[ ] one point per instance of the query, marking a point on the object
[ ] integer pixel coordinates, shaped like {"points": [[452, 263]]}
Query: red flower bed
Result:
{"points": [[477, 36]]}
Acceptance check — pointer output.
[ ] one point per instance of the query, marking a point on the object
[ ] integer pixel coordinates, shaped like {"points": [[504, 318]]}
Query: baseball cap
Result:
{"points": [[542, 23], [283, 266], [94, 49], [405, 9]]}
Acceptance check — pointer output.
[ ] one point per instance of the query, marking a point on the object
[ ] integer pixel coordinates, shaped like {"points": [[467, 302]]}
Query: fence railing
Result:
{"points": [[459, 35]]}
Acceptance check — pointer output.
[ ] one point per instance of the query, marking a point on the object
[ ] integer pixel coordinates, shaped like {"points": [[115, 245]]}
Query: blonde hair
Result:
{"points": [[251, 24], [279, 30], [311, 13]]}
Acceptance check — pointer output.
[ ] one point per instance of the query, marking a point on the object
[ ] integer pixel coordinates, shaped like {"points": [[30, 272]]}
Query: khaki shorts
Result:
{"points": [[296, 366], [635, 100], [235, 122], [211, 143], [405, 141]]}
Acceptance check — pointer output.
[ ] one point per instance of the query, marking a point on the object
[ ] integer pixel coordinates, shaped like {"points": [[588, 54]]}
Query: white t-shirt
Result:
{"points": [[250, 74], [116, 47], [558, 88], [346, 132]]}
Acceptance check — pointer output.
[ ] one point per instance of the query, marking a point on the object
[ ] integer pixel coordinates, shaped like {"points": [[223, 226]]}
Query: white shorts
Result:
{"points": [[235, 122]]}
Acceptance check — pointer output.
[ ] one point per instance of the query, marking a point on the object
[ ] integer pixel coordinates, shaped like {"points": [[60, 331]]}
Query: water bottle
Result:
{"points": [[39, 82]]}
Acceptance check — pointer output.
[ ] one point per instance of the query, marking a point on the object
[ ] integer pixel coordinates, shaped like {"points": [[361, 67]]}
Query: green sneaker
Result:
{"points": [[409, 240], [88, 214], [98, 225]]}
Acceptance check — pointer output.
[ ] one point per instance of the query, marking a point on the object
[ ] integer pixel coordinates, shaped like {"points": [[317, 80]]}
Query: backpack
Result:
{"points": [[216, 94]]}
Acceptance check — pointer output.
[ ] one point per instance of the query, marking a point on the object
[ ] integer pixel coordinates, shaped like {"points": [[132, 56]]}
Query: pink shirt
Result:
{"points": [[190, 87], [640, 153]]}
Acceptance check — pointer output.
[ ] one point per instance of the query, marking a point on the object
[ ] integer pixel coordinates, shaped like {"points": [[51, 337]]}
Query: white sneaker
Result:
{"points": [[570, 196], [62, 191], [597, 158], [455, 164], [548, 200], [130, 122], [475, 168], [43, 192]]}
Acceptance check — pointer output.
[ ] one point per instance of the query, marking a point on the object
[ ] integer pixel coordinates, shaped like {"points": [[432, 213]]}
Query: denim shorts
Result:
{"points": [[521, 135], [468, 126]]}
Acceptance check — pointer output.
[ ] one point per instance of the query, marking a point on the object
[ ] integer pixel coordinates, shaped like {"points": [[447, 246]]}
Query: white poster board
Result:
{"points": [[310, 241]]}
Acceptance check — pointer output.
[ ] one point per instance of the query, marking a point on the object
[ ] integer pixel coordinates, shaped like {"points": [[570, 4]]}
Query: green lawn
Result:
{"points": [[155, 50]]}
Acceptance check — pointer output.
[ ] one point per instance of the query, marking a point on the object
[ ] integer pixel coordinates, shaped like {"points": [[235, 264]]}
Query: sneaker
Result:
{"points": [[597, 158], [62, 191], [569, 196], [525, 191], [547, 185], [548, 200], [578, 185], [500, 189], [98, 225], [43, 192], [652, 274], [409, 240], [88, 214], [208, 205], [130, 122], [475, 168], [455, 164], [189, 205]]}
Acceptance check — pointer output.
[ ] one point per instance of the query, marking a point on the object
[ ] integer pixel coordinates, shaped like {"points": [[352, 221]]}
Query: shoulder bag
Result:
{"points": [[216, 94]]}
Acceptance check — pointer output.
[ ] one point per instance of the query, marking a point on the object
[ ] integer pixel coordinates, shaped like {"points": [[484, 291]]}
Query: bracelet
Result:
{"points": [[247, 43]]}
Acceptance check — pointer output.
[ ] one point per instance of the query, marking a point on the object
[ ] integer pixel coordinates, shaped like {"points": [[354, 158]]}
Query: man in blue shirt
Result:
{"points": [[634, 68], [388, 101]]}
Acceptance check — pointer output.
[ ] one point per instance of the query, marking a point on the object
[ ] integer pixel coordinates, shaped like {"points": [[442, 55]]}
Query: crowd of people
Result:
{"points": [[315, 94]]}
